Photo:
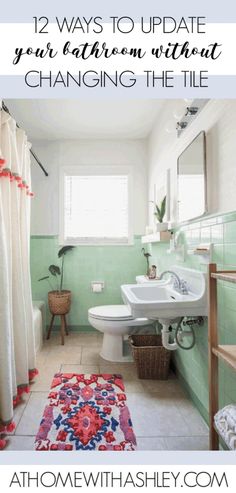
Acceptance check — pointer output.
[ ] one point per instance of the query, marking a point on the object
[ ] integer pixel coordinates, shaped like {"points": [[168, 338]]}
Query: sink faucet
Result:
{"points": [[179, 284]]}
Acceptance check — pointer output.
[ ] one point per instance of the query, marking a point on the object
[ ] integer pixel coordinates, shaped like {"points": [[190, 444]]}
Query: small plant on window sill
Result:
{"points": [[59, 300], [159, 213]]}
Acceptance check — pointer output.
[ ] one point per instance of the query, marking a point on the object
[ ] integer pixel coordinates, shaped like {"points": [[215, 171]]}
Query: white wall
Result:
{"points": [[218, 119], [161, 151], [53, 155]]}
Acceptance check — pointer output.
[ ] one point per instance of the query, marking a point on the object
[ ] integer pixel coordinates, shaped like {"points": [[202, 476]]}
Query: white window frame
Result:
{"points": [[98, 170]]}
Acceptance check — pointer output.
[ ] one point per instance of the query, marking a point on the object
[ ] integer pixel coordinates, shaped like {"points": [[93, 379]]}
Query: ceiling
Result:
{"points": [[52, 119]]}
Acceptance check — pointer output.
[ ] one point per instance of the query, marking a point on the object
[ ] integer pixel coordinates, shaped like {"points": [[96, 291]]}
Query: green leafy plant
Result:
{"points": [[56, 271], [159, 211]]}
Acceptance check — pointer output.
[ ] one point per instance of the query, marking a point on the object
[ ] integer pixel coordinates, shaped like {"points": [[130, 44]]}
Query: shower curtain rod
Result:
{"points": [[5, 108]]}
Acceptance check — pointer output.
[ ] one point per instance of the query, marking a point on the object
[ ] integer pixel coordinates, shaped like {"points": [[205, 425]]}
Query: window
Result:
{"points": [[96, 206]]}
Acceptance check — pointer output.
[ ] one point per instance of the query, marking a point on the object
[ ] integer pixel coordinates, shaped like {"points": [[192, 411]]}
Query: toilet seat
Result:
{"points": [[111, 312]]}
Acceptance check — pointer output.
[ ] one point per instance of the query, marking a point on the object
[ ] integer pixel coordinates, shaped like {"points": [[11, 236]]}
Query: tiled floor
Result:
{"points": [[163, 417]]}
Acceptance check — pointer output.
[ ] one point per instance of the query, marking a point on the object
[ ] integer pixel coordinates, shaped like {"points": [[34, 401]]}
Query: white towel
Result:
{"points": [[225, 423]]}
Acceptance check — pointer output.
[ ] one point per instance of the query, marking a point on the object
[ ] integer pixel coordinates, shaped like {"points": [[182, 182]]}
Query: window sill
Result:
{"points": [[96, 243]]}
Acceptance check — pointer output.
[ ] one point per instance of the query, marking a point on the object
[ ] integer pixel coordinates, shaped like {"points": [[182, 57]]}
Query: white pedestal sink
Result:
{"points": [[162, 302]]}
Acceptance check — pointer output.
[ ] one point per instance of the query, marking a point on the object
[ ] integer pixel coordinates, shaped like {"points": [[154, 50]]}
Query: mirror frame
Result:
{"points": [[205, 176]]}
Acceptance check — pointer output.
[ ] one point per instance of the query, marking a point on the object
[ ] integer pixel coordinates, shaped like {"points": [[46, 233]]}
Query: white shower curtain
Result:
{"points": [[17, 350]]}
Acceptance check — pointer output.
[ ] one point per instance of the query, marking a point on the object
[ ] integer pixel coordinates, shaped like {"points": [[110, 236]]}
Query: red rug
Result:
{"points": [[86, 412]]}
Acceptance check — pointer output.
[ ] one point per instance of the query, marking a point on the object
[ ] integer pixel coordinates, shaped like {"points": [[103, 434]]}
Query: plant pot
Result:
{"points": [[59, 302], [161, 227]]}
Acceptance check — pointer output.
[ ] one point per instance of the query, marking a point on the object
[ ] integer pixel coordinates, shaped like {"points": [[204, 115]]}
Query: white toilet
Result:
{"points": [[115, 321]]}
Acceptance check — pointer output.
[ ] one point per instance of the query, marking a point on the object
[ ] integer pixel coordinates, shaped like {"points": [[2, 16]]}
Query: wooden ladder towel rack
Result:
{"points": [[227, 353]]}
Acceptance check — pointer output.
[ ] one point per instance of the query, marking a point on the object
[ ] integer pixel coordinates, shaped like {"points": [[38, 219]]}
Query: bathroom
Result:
{"points": [[135, 139]]}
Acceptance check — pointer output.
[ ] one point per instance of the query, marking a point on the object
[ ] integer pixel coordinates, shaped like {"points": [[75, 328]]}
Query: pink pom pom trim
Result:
{"points": [[9, 428], [6, 173], [33, 373], [2, 444]]}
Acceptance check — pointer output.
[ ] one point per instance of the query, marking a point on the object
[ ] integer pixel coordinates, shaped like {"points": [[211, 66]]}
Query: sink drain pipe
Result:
{"points": [[165, 335], [179, 333]]}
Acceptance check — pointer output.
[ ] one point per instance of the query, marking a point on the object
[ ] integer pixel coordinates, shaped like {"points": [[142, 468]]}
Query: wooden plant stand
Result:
{"points": [[63, 328], [227, 353]]}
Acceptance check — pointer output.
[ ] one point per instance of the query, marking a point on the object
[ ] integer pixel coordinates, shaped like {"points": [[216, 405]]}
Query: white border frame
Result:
{"points": [[96, 170]]}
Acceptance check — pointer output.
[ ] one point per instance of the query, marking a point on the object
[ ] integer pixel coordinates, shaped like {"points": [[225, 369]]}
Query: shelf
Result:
{"points": [[229, 276], [227, 354], [157, 237], [204, 251]]}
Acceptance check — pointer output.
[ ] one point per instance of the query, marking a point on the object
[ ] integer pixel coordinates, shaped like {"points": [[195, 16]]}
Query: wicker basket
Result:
{"points": [[59, 302], [151, 358]]}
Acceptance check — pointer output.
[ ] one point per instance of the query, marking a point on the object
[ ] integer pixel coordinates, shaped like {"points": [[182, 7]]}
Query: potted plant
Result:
{"points": [[159, 213], [59, 300]]}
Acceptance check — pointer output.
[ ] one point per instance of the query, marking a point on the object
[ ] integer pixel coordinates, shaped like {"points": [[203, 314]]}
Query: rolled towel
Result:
{"points": [[225, 423]]}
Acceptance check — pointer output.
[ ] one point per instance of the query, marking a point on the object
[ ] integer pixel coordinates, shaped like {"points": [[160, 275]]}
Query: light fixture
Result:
{"points": [[185, 112], [181, 125], [191, 110]]}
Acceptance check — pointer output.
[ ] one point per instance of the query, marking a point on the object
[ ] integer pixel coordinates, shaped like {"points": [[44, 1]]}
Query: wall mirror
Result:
{"points": [[192, 186]]}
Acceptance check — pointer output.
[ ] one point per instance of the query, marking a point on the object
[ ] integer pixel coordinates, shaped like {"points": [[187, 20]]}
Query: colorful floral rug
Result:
{"points": [[86, 412]]}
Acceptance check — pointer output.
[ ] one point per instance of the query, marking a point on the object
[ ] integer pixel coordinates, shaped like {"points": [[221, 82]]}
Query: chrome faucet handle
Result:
{"points": [[184, 286], [175, 282]]}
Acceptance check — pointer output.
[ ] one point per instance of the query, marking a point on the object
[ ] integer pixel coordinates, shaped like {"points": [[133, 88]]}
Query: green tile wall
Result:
{"points": [[192, 366], [115, 265], [119, 265]]}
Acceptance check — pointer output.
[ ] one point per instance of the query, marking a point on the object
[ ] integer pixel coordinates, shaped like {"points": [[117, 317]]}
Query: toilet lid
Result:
{"points": [[111, 312]]}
